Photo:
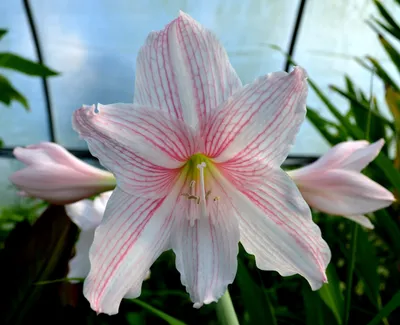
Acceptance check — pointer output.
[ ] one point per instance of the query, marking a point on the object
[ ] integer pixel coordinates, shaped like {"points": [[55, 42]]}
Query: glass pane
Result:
{"points": [[17, 126], [94, 44], [331, 35], [8, 193]]}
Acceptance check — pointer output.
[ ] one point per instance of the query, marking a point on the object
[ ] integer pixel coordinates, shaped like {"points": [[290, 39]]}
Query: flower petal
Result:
{"points": [[350, 155], [362, 157], [79, 265], [58, 184], [133, 233], [276, 226], [52, 153], [185, 71], [362, 220], [87, 214], [258, 124], [343, 192], [141, 146], [206, 254]]}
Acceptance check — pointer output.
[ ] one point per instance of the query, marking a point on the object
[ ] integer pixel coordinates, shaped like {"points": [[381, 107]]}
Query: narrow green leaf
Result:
{"points": [[169, 319], [59, 280], [226, 313], [332, 132], [381, 72], [378, 129], [363, 108], [389, 29], [393, 304], [135, 318], [367, 267], [2, 32], [382, 161], [313, 307], [255, 301], [316, 312], [350, 271], [8, 93], [390, 228], [33, 254], [18, 63], [332, 296], [385, 14], [391, 51]]}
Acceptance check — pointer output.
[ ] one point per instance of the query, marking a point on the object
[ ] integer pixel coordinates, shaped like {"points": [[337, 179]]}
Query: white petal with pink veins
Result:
{"points": [[185, 71], [253, 131], [134, 232], [141, 146], [276, 226], [205, 242]]}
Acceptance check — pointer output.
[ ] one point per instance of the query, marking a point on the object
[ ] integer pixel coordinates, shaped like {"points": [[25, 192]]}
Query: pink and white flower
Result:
{"points": [[334, 184], [87, 215], [54, 175], [197, 159]]}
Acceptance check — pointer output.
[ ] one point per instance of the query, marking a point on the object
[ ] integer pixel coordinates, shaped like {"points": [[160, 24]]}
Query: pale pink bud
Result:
{"points": [[334, 184], [55, 175]]}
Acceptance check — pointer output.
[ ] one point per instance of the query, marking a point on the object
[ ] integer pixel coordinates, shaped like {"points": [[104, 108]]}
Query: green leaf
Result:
{"points": [[354, 109], [135, 318], [391, 51], [313, 307], [169, 319], [390, 228], [350, 270], [2, 32], [8, 93], [255, 301], [332, 132], [392, 98], [382, 161], [393, 304], [367, 267], [381, 72], [361, 110], [32, 254], [226, 313], [332, 296], [389, 29], [317, 313], [388, 18], [15, 62]]}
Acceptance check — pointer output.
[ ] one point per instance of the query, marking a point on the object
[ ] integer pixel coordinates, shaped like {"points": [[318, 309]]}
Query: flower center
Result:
{"points": [[199, 177]]}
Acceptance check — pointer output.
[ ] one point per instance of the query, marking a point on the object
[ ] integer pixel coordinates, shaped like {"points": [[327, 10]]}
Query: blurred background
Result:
{"points": [[92, 46]]}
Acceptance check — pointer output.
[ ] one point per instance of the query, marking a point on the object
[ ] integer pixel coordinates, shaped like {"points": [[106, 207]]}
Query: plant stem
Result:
{"points": [[350, 271], [225, 310]]}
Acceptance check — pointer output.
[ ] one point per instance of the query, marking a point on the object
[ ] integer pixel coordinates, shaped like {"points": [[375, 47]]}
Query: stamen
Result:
{"points": [[202, 189]]}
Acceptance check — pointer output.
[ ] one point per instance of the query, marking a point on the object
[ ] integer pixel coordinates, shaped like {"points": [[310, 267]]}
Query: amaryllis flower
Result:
{"points": [[333, 184], [197, 159], [54, 175], [87, 215]]}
